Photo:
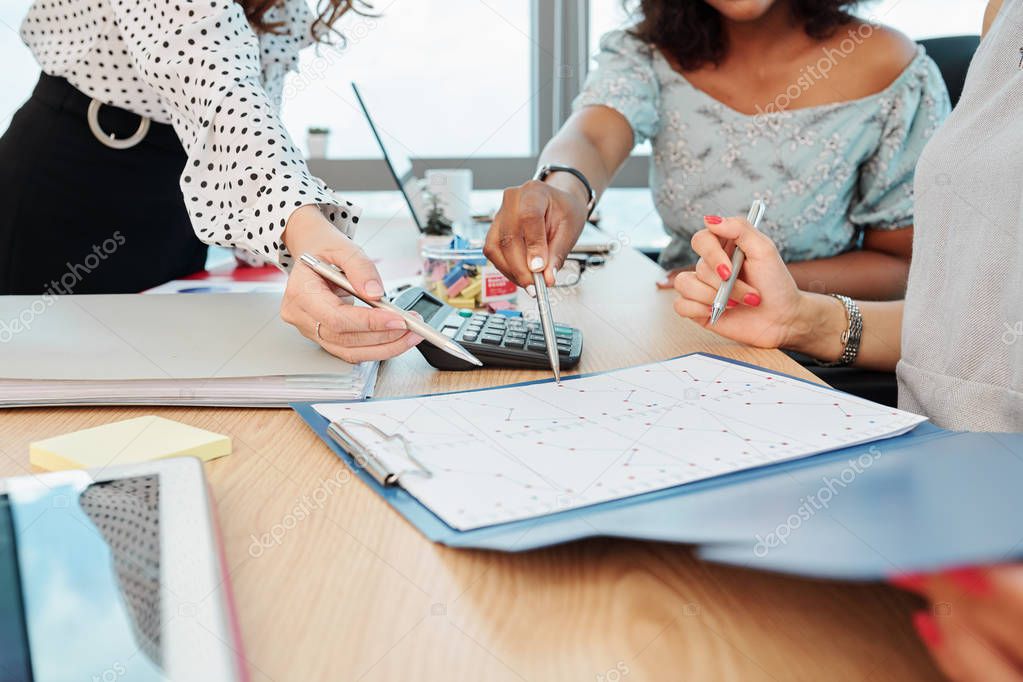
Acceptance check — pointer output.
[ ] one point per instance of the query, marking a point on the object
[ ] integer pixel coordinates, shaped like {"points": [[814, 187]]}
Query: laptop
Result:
{"points": [[592, 240], [399, 164]]}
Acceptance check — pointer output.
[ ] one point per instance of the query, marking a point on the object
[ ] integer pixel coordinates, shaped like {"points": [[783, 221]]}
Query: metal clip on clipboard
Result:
{"points": [[365, 458]]}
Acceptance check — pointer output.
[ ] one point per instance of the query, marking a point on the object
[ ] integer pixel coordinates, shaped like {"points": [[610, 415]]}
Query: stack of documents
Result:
{"points": [[218, 349]]}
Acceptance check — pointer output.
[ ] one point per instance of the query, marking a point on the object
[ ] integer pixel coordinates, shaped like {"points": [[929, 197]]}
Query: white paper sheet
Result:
{"points": [[515, 453]]}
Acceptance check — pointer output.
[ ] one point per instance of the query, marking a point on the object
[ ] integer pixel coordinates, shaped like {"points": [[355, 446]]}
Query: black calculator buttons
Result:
{"points": [[497, 340]]}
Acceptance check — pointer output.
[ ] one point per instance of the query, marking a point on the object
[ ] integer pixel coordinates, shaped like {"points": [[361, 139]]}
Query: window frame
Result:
{"points": [[559, 60]]}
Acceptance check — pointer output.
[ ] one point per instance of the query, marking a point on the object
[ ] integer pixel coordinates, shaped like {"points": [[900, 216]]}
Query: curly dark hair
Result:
{"points": [[327, 13], [690, 30]]}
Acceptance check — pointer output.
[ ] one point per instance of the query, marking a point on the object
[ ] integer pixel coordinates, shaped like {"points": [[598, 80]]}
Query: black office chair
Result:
{"points": [[953, 56]]}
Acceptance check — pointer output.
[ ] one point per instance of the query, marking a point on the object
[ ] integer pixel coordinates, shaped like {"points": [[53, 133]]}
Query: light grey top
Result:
{"points": [[962, 338]]}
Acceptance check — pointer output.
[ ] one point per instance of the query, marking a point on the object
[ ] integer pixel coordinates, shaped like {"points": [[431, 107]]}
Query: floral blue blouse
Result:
{"points": [[826, 172]]}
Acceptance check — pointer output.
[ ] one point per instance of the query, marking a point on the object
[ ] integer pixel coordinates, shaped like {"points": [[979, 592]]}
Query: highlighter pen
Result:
{"points": [[330, 272], [756, 214]]}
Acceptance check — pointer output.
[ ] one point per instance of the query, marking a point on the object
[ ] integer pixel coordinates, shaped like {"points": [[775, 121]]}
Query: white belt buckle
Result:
{"points": [[111, 140]]}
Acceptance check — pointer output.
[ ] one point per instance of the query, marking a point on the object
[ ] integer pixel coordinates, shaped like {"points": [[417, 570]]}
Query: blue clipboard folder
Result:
{"points": [[928, 499]]}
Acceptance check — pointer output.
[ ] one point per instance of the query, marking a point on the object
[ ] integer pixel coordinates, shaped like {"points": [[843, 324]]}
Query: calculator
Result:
{"points": [[496, 340]]}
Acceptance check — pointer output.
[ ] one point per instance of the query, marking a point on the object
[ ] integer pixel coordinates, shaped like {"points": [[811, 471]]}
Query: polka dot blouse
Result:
{"points": [[200, 67]]}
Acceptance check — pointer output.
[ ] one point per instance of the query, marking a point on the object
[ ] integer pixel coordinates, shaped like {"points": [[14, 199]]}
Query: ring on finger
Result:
{"points": [[318, 332]]}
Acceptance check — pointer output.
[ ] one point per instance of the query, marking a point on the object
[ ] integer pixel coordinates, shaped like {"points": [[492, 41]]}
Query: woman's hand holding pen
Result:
{"points": [[535, 228], [766, 308], [354, 334]]}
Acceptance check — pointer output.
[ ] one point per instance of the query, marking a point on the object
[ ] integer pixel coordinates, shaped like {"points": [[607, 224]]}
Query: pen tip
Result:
{"points": [[715, 316]]}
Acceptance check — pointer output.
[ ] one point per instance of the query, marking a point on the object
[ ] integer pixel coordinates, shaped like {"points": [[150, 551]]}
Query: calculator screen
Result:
{"points": [[426, 307]]}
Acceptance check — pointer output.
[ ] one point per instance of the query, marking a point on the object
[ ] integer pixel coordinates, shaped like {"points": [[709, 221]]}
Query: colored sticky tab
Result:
{"points": [[437, 272], [462, 302], [474, 288], [453, 276], [456, 287], [498, 306], [126, 442]]}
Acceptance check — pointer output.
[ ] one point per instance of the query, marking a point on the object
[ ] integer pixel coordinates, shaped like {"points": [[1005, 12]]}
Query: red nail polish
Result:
{"points": [[970, 580], [910, 582], [927, 628], [713, 219], [731, 304], [751, 300], [724, 272]]}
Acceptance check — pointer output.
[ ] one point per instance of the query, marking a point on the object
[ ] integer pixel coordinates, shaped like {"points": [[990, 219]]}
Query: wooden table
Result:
{"points": [[353, 592]]}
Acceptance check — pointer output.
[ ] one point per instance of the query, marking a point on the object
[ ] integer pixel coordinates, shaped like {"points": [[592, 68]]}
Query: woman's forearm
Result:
{"points": [[595, 141], [864, 274], [823, 320]]}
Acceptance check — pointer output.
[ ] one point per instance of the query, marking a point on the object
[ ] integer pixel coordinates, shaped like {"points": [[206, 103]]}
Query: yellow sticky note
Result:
{"points": [[134, 440], [474, 289]]}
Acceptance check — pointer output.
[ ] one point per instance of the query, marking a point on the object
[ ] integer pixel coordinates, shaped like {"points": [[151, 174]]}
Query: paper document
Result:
{"points": [[201, 349], [519, 452]]}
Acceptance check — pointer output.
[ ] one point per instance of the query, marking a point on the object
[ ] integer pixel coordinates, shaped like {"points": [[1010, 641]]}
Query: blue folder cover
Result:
{"points": [[926, 499]]}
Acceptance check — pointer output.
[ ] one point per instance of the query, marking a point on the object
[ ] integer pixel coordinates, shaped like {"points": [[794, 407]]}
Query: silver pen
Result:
{"points": [[543, 302], [756, 214], [330, 272]]}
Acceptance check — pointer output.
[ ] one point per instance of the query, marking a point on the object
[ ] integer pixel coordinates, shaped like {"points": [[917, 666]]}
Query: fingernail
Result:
{"points": [[373, 288], [724, 272], [751, 300], [395, 324], [536, 264], [531, 290], [713, 219], [970, 580], [909, 581], [927, 628], [732, 304]]}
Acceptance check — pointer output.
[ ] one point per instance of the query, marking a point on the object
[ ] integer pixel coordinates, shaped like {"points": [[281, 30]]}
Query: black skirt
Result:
{"points": [[77, 217]]}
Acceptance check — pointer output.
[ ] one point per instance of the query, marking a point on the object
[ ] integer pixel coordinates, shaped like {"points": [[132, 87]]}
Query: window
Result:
{"points": [[19, 72], [928, 18], [443, 79], [460, 79]]}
